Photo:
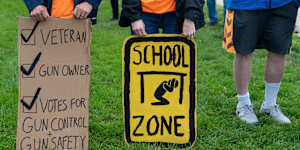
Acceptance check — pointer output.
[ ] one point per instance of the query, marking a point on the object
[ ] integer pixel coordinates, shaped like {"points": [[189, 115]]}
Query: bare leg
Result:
{"points": [[275, 68], [242, 72], [273, 74]]}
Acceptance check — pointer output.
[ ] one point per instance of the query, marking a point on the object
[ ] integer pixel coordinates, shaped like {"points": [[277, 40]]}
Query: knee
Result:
{"points": [[243, 56], [275, 56]]}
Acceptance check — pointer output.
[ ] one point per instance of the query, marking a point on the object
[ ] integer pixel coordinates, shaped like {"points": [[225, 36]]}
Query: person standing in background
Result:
{"points": [[115, 9], [265, 24], [212, 12], [40, 10]]}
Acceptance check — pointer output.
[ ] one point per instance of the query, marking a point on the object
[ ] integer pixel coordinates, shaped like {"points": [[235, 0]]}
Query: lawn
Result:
{"points": [[218, 127]]}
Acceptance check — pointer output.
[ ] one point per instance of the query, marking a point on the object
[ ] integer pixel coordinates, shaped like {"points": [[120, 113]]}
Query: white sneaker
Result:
{"points": [[246, 113], [275, 113]]}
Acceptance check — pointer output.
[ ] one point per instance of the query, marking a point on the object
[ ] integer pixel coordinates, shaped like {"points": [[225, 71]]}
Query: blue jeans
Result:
{"points": [[167, 22], [212, 11]]}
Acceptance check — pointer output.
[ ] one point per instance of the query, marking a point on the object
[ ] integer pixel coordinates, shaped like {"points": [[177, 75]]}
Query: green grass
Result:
{"points": [[218, 127]]}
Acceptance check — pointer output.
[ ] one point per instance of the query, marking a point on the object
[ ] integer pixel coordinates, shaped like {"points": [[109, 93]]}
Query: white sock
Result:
{"points": [[244, 99], [271, 93]]}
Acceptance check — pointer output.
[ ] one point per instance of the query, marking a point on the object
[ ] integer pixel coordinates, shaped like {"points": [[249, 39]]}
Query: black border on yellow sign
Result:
{"points": [[126, 81]]}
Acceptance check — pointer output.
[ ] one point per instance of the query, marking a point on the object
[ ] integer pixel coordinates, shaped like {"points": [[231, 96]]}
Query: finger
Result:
{"points": [[189, 36], [144, 32], [34, 17], [75, 13], [141, 32], [137, 32], [42, 17], [85, 14], [45, 14], [193, 35], [39, 17], [80, 14]]}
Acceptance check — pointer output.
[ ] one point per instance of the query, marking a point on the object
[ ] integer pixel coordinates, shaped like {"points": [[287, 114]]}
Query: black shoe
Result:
{"points": [[211, 24]]}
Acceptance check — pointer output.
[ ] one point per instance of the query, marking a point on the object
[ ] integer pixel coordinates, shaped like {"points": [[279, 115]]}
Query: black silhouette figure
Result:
{"points": [[162, 89]]}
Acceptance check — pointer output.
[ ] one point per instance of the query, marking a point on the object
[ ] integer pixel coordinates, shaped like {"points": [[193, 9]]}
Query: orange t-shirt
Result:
{"points": [[158, 6], [62, 8]]}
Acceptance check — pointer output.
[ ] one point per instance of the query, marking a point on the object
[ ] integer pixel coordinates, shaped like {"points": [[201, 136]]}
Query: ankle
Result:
{"points": [[244, 99]]}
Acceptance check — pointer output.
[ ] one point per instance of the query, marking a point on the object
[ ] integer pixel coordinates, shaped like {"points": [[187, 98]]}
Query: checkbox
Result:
{"points": [[28, 99], [31, 75], [31, 38]]}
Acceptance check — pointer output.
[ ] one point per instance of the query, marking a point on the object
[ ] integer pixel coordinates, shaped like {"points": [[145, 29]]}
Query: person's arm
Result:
{"points": [[133, 11], [31, 4], [95, 3], [192, 11], [37, 9]]}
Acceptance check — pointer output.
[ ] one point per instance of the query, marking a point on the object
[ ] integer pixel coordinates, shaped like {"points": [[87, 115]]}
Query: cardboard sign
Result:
{"points": [[159, 89], [54, 80]]}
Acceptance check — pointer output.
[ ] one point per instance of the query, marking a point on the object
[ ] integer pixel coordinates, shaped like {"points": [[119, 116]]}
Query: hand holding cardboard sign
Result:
{"points": [[39, 13], [82, 10]]}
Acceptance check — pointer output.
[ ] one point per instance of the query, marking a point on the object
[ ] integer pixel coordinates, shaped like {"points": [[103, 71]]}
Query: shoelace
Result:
{"points": [[249, 108], [277, 108]]}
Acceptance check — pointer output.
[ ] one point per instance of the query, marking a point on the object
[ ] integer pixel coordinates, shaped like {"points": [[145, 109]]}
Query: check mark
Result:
{"points": [[36, 60], [30, 35], [33, 100]]}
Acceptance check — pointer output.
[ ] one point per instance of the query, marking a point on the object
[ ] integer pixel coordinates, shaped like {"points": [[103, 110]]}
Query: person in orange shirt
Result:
{"points": [[40, 10], [173, 16]]}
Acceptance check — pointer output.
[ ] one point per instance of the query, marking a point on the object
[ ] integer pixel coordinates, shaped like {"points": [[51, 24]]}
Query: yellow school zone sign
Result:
{"points": [[159, 89]]}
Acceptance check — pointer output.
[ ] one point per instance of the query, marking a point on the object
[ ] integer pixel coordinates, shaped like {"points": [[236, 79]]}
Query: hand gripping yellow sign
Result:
{"points": [[159, 89]]}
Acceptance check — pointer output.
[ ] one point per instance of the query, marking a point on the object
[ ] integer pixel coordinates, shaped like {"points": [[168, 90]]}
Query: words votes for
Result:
{"points": [[161, 55], [63, 36], [158, 125], [60, 142], [52, 105], [64, 70]]}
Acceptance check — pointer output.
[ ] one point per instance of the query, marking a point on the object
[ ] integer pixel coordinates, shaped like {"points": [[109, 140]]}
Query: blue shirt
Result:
{"points": [[257, 4]]}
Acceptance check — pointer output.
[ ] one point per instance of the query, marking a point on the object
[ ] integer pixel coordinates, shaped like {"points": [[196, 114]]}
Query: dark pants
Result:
{"points": [[115, 8], [264, 29], [167, 22]]}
